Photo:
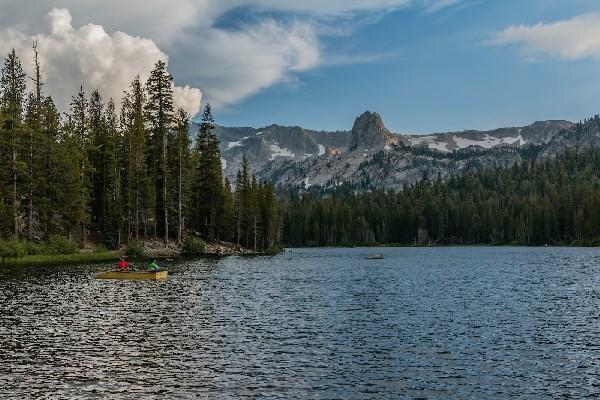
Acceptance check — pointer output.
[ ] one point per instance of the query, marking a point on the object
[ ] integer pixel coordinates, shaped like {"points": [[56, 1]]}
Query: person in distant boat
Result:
{"points": [[123, 265], [153, 266]]}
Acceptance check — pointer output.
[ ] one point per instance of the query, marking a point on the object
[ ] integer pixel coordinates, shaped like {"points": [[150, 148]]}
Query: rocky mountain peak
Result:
{"points": [[369, 132]]}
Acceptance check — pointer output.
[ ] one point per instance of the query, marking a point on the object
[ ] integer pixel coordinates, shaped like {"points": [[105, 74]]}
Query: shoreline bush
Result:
{"points": [[193, 247]]}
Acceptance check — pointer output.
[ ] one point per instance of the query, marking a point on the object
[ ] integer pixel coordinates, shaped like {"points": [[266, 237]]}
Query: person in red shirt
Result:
{"points": [[123, 265]]}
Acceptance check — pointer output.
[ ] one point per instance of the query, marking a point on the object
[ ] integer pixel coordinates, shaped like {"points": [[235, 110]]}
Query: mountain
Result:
{"points": [[369, 132], [370, 156]]}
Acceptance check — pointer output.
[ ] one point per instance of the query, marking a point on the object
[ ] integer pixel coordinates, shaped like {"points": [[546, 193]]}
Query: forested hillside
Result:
{"points": [[538, 201], [109, 174]]}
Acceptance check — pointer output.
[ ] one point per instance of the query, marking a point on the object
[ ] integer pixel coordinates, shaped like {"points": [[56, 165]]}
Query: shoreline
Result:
{"points": [[433, 246], [214, 250]]}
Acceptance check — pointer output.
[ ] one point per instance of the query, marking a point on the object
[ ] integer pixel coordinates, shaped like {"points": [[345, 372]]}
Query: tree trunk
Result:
{"points": [[14, 193], [137, 215], [165, 205], [179, 206], [238, 222], [38, 106]]}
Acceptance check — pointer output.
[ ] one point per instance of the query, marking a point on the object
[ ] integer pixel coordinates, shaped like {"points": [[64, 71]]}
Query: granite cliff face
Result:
{"points": [[369, 132], [370, 156]]}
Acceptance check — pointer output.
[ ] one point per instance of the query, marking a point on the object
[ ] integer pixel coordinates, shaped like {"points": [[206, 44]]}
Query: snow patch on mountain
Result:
{"points": [[515, 140], [431, 142], [487, 142], [277, 151], [231, 145]]}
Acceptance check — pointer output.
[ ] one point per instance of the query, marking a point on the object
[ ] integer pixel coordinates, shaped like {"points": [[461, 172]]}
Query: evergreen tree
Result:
{"points": [[111, 215], [48, 183], [137, 192], [77, 134], [208, 186], [181, 164], [97, 153], [12, 89], [159, 113]]}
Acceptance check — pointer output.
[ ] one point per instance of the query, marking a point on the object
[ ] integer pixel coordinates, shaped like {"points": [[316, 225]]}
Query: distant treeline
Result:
{"points": [[112, 175], [536, 202]]}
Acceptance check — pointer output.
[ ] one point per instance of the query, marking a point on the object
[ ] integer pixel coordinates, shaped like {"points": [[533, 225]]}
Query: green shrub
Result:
{"points": [[193, 247], [100, 249], [12, 249], [275, 249], [134, 250], [61, 245], [34, 249]]}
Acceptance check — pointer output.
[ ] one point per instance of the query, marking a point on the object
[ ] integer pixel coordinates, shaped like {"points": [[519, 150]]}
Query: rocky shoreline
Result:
{"points": [[157, 248]]}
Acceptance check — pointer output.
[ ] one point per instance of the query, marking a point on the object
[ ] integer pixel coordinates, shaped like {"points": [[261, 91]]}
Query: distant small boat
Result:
{"points": [[375, 257], [133, 275]]}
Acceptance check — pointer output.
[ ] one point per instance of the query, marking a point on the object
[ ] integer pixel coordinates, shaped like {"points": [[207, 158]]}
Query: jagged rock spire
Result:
{"points": [[369, 132]]}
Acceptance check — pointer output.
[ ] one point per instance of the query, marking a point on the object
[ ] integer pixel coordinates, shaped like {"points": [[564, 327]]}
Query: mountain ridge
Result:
{"points": [[370, 156]]}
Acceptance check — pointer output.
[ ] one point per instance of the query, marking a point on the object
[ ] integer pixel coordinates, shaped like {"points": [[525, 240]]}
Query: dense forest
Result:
{"points": [[539, 201], [109, 174]]}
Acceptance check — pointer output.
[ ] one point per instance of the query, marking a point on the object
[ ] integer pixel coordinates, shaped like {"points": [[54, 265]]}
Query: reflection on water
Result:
{"points": [[326, 323]]}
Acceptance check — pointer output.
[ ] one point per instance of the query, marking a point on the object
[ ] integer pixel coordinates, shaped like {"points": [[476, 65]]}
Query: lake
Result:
{"points": [[477, 322]]}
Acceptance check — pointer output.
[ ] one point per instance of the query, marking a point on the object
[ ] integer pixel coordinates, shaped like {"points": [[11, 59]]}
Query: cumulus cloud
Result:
{"points": [[161, 20], [104, 44], [91, 57], [572, 39], [188, 98]]}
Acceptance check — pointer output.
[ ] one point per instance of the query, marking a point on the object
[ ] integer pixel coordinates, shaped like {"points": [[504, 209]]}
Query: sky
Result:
{"points": [[424, 65]]}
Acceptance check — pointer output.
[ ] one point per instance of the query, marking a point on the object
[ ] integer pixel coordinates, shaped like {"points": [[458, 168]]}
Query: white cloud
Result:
{"points": [[235, 64], [572, 39], [161, 20], [106, 43], [91, 57], [329, 7], [432, 6], [188, 98]]}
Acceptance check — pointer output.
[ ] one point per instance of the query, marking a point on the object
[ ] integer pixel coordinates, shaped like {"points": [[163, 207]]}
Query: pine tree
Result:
{"points": [[71, 184], [182, 164], [209, 179], [78, 135], [97, 161], [111, 215], [35, 144], [159, 113], [243, 204], [12, 87], [48, 182], [226, 227], [137, 192]]}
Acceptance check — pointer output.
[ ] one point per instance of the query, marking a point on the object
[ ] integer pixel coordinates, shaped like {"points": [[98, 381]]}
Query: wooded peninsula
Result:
{"points": [[112, 175]]}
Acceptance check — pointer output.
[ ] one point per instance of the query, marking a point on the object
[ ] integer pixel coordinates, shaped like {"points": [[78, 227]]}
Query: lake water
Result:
{"points": [[311, 323]]}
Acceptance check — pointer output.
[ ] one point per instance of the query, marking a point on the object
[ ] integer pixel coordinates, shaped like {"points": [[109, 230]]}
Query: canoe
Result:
{"points": [[133, 275]]}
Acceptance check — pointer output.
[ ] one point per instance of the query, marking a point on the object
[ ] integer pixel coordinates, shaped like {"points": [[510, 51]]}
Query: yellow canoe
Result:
{"points": [[132, 275]]}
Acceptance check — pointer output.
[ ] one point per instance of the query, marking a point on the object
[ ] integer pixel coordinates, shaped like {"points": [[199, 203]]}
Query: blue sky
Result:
{"points": [[434, 71], [425, 65]]}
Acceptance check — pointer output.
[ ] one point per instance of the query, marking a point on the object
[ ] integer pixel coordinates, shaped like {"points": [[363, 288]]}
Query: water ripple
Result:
{"points": [[423, 323]]}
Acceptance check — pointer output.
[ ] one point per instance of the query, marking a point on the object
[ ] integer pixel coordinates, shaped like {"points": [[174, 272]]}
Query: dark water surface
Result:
{"points": [[313, 323]]}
